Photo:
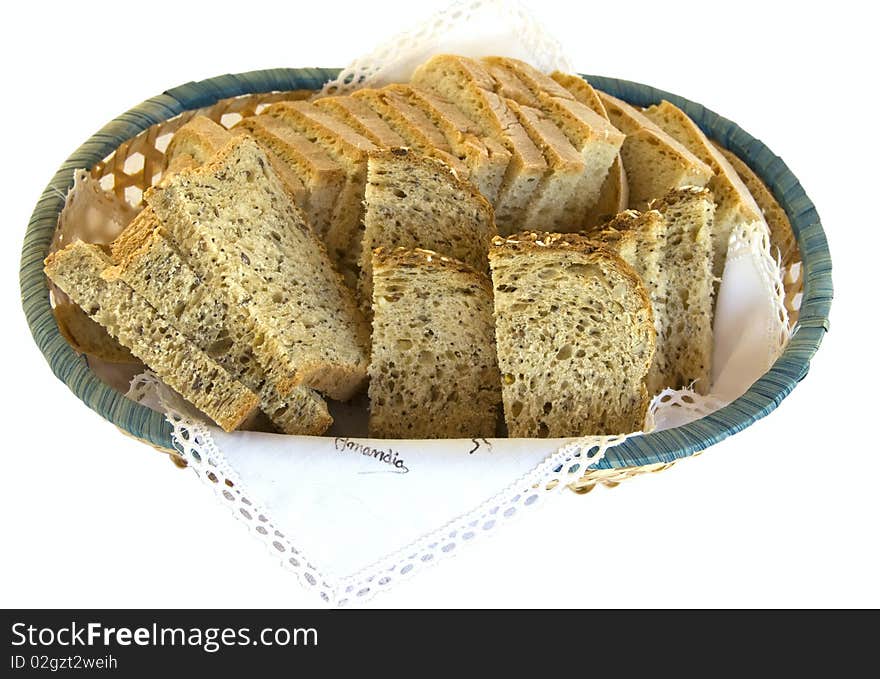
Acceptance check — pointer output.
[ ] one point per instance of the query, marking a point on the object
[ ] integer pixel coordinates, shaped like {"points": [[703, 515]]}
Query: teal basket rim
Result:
{"points": [[659, 447]]}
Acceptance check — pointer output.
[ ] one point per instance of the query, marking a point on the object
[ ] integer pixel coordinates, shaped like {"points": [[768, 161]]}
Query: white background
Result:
{"points": [[783, 514]]}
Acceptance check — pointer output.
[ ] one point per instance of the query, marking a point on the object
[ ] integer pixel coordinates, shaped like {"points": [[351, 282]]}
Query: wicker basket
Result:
{"points": [[128, 155]]}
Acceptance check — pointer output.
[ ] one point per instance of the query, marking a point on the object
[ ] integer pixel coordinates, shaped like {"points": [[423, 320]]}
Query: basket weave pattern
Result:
{"points": [[128, 156]]}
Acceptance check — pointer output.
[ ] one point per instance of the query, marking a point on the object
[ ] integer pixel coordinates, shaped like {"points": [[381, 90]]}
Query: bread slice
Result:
{"points": [[566, 170], [689, 214], [639, 239], [433, 372], [781, 233], [655, 163], [199, 139], [575, 336], [408, 121], [87, 337], [734, 204], [149, 263], [349, 149], [485, 157], [243, 235], [322, 176], [614, 193], [415, 201], [362, 119], [592, 135], [135, 324], [467, 84]]}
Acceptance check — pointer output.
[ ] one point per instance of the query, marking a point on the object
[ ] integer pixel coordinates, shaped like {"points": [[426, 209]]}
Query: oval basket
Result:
{"points": [[146, 129]]}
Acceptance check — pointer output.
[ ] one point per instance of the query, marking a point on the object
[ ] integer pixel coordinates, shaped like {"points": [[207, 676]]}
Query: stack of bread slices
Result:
{"points": [[483, 239]]}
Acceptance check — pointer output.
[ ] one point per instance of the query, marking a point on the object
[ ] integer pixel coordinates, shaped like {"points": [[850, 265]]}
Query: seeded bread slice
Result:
{"points": [[87, 337], [614, 194], [689, 214], [408, 121], [243, 235], [575, 336], [199, 139], [135, 324], [485, 157], [592, 135], [322, 176], [639, 239], [467, 84], [734, 204], [154, 268], [781, 233], [349, 149], [415, 201], [362, 119], [433, 372], [655, 163]]}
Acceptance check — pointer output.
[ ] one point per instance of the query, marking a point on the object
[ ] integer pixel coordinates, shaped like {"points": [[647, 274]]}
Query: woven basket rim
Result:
{"points": [[659, 447]]}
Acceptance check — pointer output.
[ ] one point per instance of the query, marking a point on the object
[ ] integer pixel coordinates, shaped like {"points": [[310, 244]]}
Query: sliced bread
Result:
{"points": [[322, 176], [137, 325], [781, 233], [349, 149], [467, 84], [155, 269], [414, 201], [592, 135], [485, 157], [575, 336], [735, 206], [243, 234], [687, 262], [639, 239], [654, 162], [358, 115], [433, 372]]}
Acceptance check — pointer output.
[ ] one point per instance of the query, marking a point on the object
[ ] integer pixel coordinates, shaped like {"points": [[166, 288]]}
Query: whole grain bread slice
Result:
{"points": [[137, 325], [467, 84], [413, 201], [596, 140], [735, 206], [350, 150], [575, 336], [243, 234], [358, 115], [322, 176], [485, 157], [639, 239], [689, 214], [154, 268], [655, 163], [781, 233], [433, 371]]}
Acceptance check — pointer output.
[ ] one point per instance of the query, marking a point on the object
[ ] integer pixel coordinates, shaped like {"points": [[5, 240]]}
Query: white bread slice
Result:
{"points": [[433, 372], [639, 239], [349, 149], [614, 194], [148, 262], [135, 324], [485, 157], [735, 206], [596, 140], [467, 84], [411, 123], [322, 176], [687, 262], [243, 235], [655, 163], [362, 119], [198, 140], [413, 201], [575, 336], [781, 233]]}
